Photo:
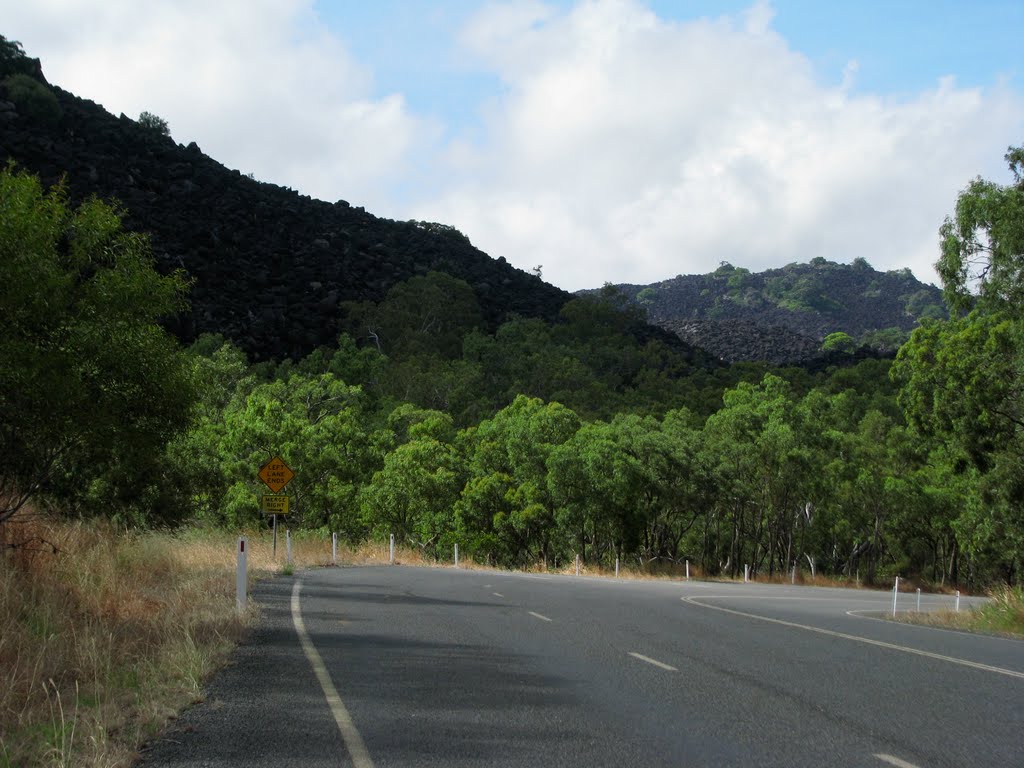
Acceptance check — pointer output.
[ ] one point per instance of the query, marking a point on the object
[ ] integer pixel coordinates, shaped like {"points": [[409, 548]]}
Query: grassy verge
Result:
{"points": [[1002, 615], [106, 635]]}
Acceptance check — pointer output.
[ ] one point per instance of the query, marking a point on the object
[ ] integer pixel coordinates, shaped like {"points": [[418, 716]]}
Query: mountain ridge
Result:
{"points": [[272, 269], [270, 266], [783, 315]]}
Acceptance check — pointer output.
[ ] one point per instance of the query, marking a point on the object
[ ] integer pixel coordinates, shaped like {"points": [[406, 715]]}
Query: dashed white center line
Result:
{"points": [[539, 616], [655, 662], [497, 594], [895, 761]]}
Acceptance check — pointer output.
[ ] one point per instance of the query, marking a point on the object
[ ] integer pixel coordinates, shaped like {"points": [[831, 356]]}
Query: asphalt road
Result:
{"points": [[397, 666]]}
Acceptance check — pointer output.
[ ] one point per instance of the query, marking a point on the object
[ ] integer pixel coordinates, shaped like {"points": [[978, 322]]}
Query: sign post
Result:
{"points": [[275, 474]]}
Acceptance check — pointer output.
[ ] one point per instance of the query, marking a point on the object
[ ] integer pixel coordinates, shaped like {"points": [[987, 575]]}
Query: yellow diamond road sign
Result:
{"points": [[276, 474]]}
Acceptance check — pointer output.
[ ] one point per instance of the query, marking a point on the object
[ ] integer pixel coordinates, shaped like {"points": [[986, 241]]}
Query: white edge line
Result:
{"points": [[539, 616], [855, 638], [353, 741], [655, 662], [497, 594], [894, 761]]}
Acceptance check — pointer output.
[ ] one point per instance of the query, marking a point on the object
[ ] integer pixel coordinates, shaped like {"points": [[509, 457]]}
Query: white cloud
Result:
{"points": [[260, 85], [630, 149], [618, 146]]}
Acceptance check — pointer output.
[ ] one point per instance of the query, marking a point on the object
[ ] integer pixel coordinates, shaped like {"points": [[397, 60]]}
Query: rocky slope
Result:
{"points": [[784, 315], [270, 266]]}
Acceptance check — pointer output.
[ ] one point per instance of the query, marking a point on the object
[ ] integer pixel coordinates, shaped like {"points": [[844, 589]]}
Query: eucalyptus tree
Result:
{"points": [[506, 506], [91, 386], [963, 380]]}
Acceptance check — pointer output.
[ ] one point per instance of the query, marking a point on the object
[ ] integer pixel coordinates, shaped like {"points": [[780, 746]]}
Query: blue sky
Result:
{"points": [[900, 45], [606, 140]]}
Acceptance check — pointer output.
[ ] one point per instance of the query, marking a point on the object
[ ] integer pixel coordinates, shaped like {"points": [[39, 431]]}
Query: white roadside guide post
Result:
{"points": [[687, 570], [456, 555], [746, 573], [334, 548], [895, 594], [958, 601], [577, 565], [616, 567], [918, 599], [288, 538], [241, 578], [391, 557]]}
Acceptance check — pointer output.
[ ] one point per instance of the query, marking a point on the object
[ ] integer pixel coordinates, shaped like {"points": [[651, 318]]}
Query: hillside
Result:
{"points": [[270, 266], [783, 315]]}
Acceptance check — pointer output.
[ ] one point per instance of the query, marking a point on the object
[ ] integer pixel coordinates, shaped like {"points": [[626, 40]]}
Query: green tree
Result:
{"points": [[90, 385], [154, 123], [983, 243], [962, 381], [506, 509], [839, 342], [414, 494]]}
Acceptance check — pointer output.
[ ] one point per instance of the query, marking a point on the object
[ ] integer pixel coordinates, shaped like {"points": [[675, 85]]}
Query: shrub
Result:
{"points": [[33, 99], [154, 123]]}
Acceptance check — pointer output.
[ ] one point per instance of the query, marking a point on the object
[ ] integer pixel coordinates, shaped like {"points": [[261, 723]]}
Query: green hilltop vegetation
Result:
{"points": [[785, 315], [529, 443]]}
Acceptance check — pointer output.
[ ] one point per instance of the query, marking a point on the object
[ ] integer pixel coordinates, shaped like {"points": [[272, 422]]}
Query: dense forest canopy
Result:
{"points": [[529, 443]]}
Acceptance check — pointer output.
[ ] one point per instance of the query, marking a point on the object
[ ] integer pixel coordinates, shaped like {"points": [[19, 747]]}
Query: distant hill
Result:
{"points": [[784, 315]]}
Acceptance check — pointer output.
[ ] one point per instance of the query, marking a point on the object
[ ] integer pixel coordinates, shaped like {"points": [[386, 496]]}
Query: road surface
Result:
{"points": [[399, 666]]}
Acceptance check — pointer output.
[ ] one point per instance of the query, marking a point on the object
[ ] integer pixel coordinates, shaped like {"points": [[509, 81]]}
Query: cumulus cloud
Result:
{"points": [[627, 148], [260, 85], [617, 146]]}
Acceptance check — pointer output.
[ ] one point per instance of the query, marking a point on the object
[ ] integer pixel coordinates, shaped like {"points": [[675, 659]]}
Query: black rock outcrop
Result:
{"points": [[270, 266], [783, 315]]}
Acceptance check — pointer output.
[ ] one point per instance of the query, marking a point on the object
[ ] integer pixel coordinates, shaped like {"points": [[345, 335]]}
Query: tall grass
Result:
{"points": [[1003, 614], [104, 636]]}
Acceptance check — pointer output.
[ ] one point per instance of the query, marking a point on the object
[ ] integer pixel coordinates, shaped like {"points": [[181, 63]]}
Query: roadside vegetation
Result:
{"points": [[528, 447], [104, 636], [1002, 615]]}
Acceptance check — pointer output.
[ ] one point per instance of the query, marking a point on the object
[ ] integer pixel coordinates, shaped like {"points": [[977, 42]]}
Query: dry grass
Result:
{"points": [[104, 636], [1002, 615]]}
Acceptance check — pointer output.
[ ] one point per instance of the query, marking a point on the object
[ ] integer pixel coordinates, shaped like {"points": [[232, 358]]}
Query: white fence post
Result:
{"points": [[895, 594], [391, 557], [334, 548], [241, 577]]}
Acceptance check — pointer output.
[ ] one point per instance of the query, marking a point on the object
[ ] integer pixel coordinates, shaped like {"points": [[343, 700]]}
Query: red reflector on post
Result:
{"points": [[242, 545]]}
